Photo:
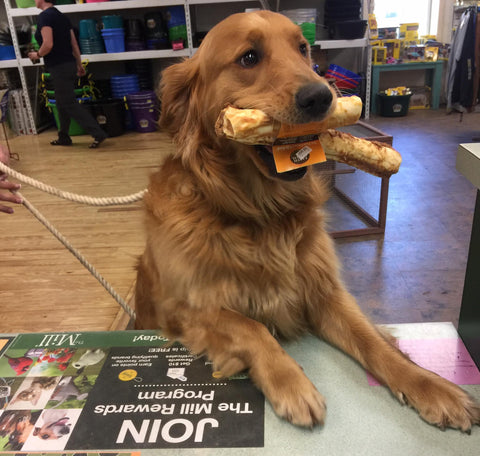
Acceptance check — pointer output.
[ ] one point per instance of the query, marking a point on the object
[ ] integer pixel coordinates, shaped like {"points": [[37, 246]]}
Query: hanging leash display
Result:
{"points": [[92, 201]]}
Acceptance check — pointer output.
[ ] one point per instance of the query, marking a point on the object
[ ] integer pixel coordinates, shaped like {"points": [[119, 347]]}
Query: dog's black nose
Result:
{"points": [[314, 99]]}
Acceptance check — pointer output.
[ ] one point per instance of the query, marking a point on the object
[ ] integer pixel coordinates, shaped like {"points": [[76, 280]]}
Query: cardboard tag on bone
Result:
{"points": [[297, 155]]}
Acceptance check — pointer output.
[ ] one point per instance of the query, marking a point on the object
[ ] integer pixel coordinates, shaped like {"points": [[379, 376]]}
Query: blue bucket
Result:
{"points": [[124, 84], [114, 40], [7, 53]]}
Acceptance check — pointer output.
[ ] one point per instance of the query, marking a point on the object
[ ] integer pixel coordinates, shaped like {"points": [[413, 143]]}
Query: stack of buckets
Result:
{"points": [[90, 38], [144, 108], [143, 70], [155, 31], [134, 40], [113, 33], [124, 84], [177, 25], [142, 105]]}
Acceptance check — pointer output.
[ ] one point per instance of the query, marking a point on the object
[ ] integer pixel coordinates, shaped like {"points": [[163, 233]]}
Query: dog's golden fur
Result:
{"points": [[235, 254]]}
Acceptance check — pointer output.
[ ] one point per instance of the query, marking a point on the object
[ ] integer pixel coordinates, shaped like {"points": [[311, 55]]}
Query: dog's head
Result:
{"points": [[53, 430], [250, 60]]}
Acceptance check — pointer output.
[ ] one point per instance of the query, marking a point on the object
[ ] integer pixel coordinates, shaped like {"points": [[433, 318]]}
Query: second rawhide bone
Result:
{"points": [[373, 157], [254, 127]]}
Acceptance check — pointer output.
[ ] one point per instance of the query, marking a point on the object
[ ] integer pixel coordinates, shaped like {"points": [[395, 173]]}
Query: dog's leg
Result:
{"points": [[438, 401], [233, 343], [144, 292]]}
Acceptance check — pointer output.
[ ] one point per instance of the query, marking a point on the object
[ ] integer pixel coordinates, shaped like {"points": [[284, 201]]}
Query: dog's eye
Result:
{"points": [[249, 59], [303, 49]]}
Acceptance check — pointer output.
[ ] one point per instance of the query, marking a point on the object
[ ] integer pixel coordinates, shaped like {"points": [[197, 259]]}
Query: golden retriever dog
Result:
{"points": [[237, 255]]}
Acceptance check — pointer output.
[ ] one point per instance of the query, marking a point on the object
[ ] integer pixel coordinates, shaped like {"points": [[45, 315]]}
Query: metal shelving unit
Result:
{"points": [[22, 63]]}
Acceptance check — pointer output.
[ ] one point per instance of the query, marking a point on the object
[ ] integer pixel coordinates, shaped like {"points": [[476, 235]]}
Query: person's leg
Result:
{"points": [[69, 108], [63, 87]]}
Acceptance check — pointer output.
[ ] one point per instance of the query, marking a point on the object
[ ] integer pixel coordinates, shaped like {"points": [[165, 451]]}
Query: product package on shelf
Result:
{"points": [[18, 115]]}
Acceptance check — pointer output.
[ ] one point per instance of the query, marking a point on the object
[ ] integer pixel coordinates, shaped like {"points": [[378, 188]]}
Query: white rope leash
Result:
{"points": [[82, 199], [105, 201]]}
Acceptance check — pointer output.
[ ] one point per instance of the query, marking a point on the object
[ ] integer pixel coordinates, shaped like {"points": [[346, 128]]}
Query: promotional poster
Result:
{"points": [[117, 391]]}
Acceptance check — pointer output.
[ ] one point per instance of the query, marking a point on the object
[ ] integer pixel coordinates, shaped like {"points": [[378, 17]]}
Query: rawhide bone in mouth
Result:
{"points": [[254, 127]]}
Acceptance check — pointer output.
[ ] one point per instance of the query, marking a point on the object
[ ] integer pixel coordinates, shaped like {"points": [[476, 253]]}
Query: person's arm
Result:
{"points": [[77, 54], [47, 44]]}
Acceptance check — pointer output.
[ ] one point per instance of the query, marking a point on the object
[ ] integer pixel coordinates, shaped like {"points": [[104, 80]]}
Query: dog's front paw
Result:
{"points": [[442, 403], [292, 394], [301, 405]]}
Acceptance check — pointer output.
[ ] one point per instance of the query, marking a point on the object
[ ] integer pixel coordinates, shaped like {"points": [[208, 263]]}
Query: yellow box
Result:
{"points": [[410, 28], [411, 35], [393, 48], [379, 54], [372, 27]]}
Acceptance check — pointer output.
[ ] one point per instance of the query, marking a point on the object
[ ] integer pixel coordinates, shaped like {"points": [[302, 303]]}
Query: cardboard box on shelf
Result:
{"points": [[379, 54], [393, 48], [409, 31]]}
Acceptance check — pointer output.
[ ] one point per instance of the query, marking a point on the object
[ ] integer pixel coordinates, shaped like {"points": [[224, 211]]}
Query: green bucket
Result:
{"points": [[308, 31], [74, 130]]}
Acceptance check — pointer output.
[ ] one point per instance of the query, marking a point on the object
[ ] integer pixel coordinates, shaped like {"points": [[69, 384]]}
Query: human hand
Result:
{"points": [[81, 70], [7, 186], [7, 195], [33, 56]]}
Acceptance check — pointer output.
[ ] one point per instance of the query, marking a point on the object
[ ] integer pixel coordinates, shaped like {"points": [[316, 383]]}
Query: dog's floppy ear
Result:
{"points": [[176, 93]]}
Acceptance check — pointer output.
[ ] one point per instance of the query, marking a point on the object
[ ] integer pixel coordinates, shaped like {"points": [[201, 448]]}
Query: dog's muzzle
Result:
{"points": [[313, 101]]}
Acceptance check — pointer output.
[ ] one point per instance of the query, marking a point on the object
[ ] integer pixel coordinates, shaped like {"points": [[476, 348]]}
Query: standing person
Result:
{"points": [[59, 48], [6, 186]]}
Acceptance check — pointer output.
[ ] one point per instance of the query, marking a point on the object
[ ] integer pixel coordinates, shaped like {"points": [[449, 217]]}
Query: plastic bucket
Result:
{"points": [[74, 130], [122, 85], [144, 119], [25, 3], [306, 18], [110, 114], [112, 22], [7, 53], [393, 105], [134, 29], [143, 97], [155, 27], [144, 109], [114, 40], [88, 29]]}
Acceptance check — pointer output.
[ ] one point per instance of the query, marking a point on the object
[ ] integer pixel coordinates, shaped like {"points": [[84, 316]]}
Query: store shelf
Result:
{"points": [[342, 44], [5, 64], [120, 56], [209, 2], [117, 5], [135, 55], [98, 6]]}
